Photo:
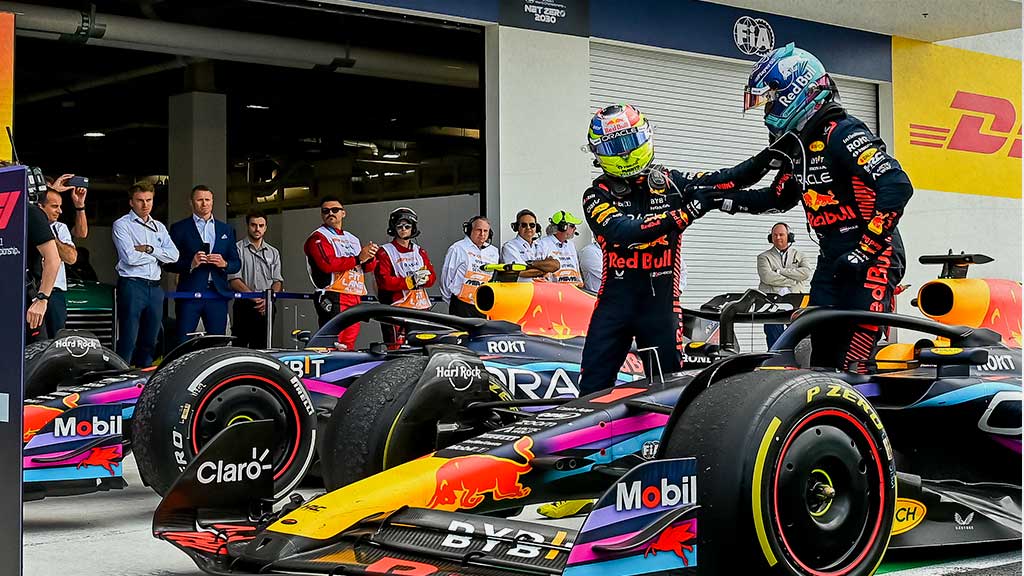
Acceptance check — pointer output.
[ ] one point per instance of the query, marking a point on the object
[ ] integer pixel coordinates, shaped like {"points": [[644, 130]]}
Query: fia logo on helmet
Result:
{"points": [[753, 36]]}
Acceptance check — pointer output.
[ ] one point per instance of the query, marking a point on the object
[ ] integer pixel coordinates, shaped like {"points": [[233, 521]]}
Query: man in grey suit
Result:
{"points": [[782, 270]]}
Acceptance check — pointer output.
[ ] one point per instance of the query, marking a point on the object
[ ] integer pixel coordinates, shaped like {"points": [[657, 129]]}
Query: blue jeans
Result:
{"points": [[140, 309], [772, 332]]}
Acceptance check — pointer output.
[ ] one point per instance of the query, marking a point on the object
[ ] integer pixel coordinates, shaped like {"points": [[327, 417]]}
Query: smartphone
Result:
{"points": [[78, 182], [206, 247]]}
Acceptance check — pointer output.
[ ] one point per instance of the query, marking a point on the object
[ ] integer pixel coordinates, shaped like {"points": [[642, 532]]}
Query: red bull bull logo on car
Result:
{"points": [[465, 480]]}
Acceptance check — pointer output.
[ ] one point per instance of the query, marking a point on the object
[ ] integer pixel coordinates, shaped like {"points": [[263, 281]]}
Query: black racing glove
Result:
{"points": [[772, 159]]}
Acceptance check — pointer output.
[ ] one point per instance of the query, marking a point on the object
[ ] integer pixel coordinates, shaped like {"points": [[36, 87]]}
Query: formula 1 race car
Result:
{"points": [[751, 465]]}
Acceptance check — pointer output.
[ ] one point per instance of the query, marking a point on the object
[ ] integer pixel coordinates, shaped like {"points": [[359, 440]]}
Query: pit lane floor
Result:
{"points": [[108, 534]]}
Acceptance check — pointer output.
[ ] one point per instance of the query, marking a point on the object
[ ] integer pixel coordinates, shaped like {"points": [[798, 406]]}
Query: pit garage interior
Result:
{"points": [[272, 104]]}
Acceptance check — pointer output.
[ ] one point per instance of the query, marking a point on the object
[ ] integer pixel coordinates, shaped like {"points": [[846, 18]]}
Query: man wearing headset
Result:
{"points": [[461, 274], [558, 245], [782, 269], [404, 271], [853, 194], [526, 248]]}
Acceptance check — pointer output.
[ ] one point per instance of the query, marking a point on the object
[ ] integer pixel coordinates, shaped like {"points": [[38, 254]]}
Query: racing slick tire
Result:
{"points": [[358, 438], [197, 395], [796, 475], [47, 367]]}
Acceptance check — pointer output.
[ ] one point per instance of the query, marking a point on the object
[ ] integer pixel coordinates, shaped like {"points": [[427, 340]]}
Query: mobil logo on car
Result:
{"points": [[89, 421], [659, 484]]}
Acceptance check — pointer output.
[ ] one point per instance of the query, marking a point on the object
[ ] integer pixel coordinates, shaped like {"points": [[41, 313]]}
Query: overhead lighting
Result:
{"points": [[94, 134], [392, 155], [257, 107]]}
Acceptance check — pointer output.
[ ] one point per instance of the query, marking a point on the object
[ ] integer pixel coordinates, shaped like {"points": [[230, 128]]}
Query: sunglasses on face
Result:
{"points": [[403, 227], [326, 211], [528, 225]]}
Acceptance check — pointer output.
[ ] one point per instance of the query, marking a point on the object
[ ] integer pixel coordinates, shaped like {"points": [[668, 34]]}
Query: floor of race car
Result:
{"points": [[108, 534]]}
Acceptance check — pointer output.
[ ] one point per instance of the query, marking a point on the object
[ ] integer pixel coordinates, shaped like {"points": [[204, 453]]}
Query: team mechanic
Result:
{"points": [[852, 191], [637, 212]]}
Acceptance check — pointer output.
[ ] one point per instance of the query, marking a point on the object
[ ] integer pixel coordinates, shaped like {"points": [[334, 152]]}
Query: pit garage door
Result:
{"points": [[695, 105]]}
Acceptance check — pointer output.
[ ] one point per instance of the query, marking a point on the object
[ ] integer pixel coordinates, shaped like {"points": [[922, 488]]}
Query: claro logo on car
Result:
{"points": [[221, 472], [634, 495]]}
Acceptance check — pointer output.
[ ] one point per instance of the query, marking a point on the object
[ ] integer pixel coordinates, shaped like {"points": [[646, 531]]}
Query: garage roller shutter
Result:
{"points": [[695, 105]]}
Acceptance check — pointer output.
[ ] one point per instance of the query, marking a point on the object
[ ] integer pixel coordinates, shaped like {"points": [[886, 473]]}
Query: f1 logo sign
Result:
{"points": [[8, 201], [968, 136]]}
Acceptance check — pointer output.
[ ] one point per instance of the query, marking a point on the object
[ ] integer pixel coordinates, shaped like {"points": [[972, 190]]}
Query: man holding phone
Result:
{"points": [[208, 253]]}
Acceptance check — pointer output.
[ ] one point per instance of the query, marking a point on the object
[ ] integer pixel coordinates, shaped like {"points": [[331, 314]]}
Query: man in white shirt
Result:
{"points": [[461, 274], [592, 266], [782, 270], [56, 311], [559, 246], [525, 248], [142, 245]]}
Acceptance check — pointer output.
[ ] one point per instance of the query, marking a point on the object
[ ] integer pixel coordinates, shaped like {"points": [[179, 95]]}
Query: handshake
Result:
{"points": [[420, 277]]}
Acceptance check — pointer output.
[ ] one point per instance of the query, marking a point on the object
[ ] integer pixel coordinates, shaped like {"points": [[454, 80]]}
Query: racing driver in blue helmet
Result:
{"points": [[853, 194]]}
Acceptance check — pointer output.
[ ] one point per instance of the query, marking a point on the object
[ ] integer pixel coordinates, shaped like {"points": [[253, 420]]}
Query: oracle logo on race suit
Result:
{"points": [[970, 133]]}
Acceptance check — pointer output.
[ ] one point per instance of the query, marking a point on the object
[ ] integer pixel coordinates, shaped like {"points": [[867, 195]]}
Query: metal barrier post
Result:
{"points": [[268, 294]]}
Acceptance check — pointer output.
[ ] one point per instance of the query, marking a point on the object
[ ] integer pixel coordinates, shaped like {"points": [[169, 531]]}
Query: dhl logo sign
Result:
{"points": [[985, 126], [957, 115]]}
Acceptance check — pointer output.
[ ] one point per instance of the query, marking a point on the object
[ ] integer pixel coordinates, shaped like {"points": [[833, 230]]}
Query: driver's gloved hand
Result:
{"points": [[701, 202], [853, 263]]}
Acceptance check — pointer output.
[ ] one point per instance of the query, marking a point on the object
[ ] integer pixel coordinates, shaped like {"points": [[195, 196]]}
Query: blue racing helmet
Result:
{"points": [[792, 85]]}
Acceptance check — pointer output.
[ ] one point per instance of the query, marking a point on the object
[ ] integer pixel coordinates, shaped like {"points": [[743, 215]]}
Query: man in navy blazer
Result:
{"points": [[207, 255]]}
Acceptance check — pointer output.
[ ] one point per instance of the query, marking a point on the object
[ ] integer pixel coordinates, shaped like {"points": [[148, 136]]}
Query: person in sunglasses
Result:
{"points": [[526, 248], [404, 270], [335, 261]]}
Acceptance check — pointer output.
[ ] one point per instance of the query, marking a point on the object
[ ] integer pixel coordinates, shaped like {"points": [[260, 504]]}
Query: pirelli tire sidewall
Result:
{"points": [[186, 402], [762, 439]]}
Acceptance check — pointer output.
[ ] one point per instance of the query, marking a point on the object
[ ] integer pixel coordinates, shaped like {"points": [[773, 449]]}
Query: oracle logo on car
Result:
{"points": [[634, 495], [64, 427], [221, 472]]}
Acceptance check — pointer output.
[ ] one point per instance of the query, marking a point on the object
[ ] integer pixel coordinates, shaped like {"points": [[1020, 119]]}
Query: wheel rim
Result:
{"points": [[828, 493], [245, 399]]}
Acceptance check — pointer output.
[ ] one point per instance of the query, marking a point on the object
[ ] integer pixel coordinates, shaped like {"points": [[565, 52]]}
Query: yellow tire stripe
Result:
{"points": [[387, 441], [755, 492]]}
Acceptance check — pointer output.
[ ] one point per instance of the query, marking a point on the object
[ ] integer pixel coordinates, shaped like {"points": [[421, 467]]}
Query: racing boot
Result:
{"points": [[565, 508]]}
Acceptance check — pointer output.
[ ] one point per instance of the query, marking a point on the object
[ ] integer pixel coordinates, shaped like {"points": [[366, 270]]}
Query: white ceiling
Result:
{"points": [[945, 18]]}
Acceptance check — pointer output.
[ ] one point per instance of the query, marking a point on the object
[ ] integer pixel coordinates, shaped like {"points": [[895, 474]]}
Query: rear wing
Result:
{"points": [[955, 265]]}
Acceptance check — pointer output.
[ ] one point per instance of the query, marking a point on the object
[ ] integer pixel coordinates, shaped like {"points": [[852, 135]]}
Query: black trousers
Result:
{"points": [[249, 327], [459, 308], [56, 312], [873, 289], [622, 315]]}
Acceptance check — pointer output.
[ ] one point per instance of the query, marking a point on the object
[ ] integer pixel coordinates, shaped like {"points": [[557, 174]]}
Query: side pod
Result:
{"points": [[218, 500]]}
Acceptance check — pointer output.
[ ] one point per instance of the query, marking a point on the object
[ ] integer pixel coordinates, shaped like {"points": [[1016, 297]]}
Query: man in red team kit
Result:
{"points": [[403, 269], [336, 262]]}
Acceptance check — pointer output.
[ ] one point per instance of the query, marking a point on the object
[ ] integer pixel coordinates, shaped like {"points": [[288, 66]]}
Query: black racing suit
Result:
{"points": [[638, 228], [853, 195]]}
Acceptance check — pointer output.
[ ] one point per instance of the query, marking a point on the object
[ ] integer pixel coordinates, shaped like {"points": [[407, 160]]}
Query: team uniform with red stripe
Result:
{"points": [[332, 260], [853, 193]]}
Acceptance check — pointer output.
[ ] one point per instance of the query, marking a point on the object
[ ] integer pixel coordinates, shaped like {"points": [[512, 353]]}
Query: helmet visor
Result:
{"points": [[621, 143], [757, 97]]}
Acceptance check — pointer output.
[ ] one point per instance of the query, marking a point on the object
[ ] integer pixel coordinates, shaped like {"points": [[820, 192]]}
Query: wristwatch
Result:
{"points": [[79, 208], [41, 296]]}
